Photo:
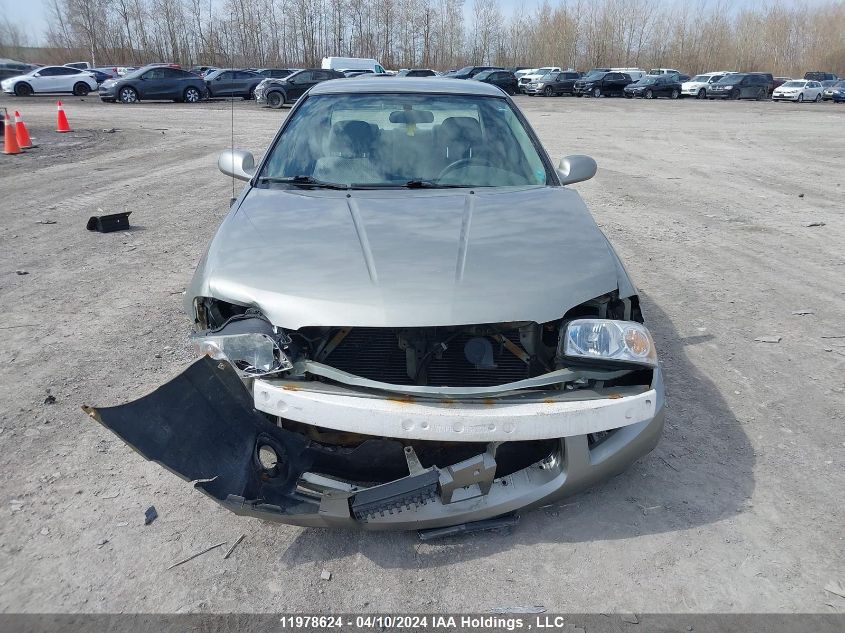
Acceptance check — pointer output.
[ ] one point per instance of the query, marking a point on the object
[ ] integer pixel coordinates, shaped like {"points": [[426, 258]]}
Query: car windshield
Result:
{"points": [[464, 71], [549, 77], [647, 81], [484, 74], [793, 84], [405, 140], [544, 71], [730, 79], [595, 74], [701, 78]]}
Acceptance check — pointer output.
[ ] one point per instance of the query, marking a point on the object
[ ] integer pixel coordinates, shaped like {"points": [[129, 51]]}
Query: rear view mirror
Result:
{"points": [[238, 163], [411, 116], [576, 168]]}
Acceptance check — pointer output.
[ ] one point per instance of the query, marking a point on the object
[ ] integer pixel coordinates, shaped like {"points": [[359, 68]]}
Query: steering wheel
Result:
{"points": [[463, 162]]}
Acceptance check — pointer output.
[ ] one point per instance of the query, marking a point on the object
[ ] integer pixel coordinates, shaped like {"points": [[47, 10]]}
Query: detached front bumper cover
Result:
{"points": [[203, 427]]}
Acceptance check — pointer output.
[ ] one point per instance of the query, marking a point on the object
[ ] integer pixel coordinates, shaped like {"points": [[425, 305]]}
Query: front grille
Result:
{"points": [[374, 353]]}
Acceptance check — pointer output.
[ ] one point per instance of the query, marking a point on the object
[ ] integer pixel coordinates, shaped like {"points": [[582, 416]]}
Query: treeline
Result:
{"points": [[782, 39]]}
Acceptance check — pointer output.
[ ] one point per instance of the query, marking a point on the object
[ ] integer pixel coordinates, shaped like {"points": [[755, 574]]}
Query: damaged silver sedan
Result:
{"points": [[408, 319]]}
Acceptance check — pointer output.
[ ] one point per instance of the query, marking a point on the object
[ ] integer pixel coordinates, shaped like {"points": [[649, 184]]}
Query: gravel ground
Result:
{"points": [[738, 509]]}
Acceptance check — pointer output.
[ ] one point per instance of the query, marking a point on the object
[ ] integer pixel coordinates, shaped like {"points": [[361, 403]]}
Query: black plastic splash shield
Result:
{"points": [[202, 426]]}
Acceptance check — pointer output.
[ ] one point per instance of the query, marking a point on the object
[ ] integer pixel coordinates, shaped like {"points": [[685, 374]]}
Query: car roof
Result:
{"points": [[432, 85]]}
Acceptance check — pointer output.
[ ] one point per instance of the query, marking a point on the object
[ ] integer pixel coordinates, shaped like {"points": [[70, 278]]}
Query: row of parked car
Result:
{"points": [[276, 87]]}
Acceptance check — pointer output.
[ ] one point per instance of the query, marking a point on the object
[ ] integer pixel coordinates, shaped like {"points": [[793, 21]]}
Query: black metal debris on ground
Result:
{"points": [[150, 515], [109, 223]]}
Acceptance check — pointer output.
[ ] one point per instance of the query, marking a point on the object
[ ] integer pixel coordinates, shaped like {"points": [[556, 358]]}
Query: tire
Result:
{"points": [[649, 94], [191, 95], [702, 94], [127, 94], [596, 92], [80, 89], [579, 95], [23, 89], [735, 95], [818, 98], [250, 95], [548, 92], [275, 99], [801, 98], [675, 94]]}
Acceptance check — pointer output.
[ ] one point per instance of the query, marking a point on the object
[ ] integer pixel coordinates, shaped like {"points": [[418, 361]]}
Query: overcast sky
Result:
{"points": [[33, 13]]}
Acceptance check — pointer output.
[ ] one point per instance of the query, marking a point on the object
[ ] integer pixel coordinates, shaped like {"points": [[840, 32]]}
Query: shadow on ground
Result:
{"points": [[700, 473]]}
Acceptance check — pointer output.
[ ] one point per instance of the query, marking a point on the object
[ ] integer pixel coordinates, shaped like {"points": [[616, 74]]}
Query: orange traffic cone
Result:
{"points": [[10, 144], [61, 120], [24, 142]]}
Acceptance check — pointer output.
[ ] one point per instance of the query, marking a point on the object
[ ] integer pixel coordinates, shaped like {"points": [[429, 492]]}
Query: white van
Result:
{"points": [[634, 73], [352, 63]]}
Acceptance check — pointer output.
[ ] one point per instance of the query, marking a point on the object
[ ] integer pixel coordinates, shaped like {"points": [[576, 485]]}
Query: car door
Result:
{"points": [[174, 82], [46, 79], [817, 89], [222, 84], [299, 83], [614, 84], [150, 83]]}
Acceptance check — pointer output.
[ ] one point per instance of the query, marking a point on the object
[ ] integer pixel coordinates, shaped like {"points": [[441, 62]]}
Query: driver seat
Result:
{"points": [[459, 137], [350, 154]]}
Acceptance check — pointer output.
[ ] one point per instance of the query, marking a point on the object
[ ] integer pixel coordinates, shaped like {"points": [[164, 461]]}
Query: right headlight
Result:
{"points": [[624, 341], [253, 354]]}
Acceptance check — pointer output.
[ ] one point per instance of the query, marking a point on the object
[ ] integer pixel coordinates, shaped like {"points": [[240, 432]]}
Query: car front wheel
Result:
{"points": [[128, 95], [801, 98], [23, 90], [596, 92], [701, 94], [649, 94], [192, 95], [547, 91], [818, 98], [675, 94], [275, 99]]}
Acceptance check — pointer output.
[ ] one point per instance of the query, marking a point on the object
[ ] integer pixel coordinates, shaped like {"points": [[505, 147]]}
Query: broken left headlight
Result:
{"points": [[253, 354]]}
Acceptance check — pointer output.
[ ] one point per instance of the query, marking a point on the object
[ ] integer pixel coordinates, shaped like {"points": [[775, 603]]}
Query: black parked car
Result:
{"points": [[504, 79], [232, 83], [653, 86], [275, 73], [553, 84], [468, 72], [157, 82], [277, 92], [818, 75], [416, 72], [602, 84], [741, 86]]}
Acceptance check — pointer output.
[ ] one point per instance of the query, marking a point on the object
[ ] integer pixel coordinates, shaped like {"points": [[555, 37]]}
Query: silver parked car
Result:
{"points": [[408, 319]]}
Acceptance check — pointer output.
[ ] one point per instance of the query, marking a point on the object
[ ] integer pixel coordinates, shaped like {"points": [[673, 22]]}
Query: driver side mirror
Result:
{"points": [[576, 168], [237, 163]]}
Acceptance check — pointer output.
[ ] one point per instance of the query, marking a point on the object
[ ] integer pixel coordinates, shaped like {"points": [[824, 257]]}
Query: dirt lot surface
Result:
{"points": [[740, 508]]}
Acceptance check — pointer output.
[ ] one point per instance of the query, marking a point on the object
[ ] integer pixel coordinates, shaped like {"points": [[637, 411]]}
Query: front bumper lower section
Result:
{"points": [[203, 426]]}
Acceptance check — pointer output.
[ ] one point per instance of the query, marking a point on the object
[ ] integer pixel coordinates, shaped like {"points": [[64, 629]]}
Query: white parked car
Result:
{"points": [[527, 78], [698, 85], [51, 79], [798, 90]]}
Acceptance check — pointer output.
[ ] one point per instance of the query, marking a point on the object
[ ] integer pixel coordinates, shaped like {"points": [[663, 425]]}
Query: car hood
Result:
{"points": [[392, 258]]}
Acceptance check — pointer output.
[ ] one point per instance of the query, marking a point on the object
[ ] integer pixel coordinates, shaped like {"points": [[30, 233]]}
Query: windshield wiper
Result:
{"points": [[428, 184], [303, 181]]}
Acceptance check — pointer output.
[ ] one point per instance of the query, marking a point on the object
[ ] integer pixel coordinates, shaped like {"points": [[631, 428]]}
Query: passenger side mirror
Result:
{"points": [[238, 163], [576, 168]]}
